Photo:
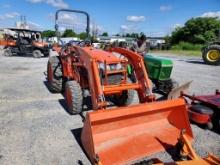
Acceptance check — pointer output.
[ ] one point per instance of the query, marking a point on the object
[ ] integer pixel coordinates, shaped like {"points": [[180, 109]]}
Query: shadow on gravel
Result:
{"points": [[46, 85], [170, 149], [77, 135], [195, 62], [204, 127]]}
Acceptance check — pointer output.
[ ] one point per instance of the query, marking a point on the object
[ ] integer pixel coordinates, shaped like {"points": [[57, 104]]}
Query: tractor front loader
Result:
{"points": [[127, 133]]}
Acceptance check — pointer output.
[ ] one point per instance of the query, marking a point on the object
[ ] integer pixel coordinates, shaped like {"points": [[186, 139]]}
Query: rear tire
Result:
{"points": [[37, 54], [8, 52], [54, 75], [73, 97], [211, 55]]}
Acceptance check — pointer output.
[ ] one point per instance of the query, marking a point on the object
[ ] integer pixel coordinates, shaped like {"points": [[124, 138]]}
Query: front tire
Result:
{"points": [[211, 55], [73, 97], [8, 52], [54, 75], [37, 54]]}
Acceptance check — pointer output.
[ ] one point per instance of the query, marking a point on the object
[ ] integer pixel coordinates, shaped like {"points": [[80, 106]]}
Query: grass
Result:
{"points": [[186, 46], [182, 48], [178, 52]]}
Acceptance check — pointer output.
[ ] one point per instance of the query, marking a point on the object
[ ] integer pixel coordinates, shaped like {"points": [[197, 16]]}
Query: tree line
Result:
{"points": [[196, 31], [66, 33], [83, 35]]}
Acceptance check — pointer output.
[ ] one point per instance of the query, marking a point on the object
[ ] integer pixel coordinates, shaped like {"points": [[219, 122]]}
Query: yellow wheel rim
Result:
{"points": [[213, 55]]}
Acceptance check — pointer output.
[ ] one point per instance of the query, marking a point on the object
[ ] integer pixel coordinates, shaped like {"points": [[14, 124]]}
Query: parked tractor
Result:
{"points": [[159, 71], [24, 42], [127, 133], [211, 53]]}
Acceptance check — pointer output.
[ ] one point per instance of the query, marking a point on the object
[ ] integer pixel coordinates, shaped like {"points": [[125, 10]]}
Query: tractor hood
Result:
{"points": [[102, 56]]}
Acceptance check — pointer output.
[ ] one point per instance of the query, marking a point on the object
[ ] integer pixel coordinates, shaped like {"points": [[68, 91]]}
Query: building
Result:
{"points": [[112, 39], [156, 42]]}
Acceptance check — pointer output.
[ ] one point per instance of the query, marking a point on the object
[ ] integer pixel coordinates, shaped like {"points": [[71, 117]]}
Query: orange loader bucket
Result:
{"points": [[126, 134]]}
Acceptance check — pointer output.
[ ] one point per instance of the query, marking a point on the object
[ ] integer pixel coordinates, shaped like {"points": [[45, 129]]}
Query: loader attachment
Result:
{"points": [[124, 135]]}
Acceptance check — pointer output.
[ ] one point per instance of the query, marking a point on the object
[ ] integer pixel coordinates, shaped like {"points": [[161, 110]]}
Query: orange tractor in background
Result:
{"points": [[24, 42], [127, 133]]}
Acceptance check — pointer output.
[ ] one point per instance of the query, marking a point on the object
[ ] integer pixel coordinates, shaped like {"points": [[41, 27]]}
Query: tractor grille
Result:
{"points": [[113, 79]]}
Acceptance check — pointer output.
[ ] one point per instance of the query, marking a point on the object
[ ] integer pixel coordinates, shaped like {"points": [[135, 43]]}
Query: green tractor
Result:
{"points": [[211, 53], [159, 71]]}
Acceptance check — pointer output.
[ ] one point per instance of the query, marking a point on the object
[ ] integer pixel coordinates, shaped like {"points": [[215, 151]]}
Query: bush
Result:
{"points": [[197, 30], [186, 46]]}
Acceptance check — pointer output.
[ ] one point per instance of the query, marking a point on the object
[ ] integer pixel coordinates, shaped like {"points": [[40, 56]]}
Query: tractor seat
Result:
{"points": [[202, 109]]}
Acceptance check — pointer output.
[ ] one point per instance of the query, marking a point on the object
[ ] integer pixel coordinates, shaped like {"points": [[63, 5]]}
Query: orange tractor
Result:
{"points": [[128, 133], [24, 42]]}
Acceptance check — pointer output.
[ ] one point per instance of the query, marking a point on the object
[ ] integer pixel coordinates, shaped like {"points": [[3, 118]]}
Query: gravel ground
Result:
{"points": [[36, 129]]}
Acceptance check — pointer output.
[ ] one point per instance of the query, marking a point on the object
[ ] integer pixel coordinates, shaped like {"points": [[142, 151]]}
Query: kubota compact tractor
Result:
{"points": [[121, 135]]}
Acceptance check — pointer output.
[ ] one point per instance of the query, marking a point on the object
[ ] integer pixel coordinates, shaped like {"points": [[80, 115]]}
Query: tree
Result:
{"points": [[69, 33], [105, 34], [82, 35], [48, 33], [134, 35], [167, 39], [197, 31], [127, 35]]}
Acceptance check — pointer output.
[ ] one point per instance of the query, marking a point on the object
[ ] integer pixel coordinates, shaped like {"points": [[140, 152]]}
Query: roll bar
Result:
{"points": [[73, 11]]}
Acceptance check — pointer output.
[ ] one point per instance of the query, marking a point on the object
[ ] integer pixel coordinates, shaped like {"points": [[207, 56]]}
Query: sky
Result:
{"points": [[153, 17]]}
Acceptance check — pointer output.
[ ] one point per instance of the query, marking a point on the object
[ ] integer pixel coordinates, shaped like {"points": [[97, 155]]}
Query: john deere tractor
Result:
{"points": [[159, 71], [211, 53]]}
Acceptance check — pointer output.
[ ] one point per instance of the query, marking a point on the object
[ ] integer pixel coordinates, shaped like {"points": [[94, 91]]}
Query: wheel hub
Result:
{"points": [[213, 55]]}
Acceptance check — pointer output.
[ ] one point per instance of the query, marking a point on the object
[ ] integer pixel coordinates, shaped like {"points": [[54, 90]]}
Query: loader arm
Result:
{"points": [[145, 91]]}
